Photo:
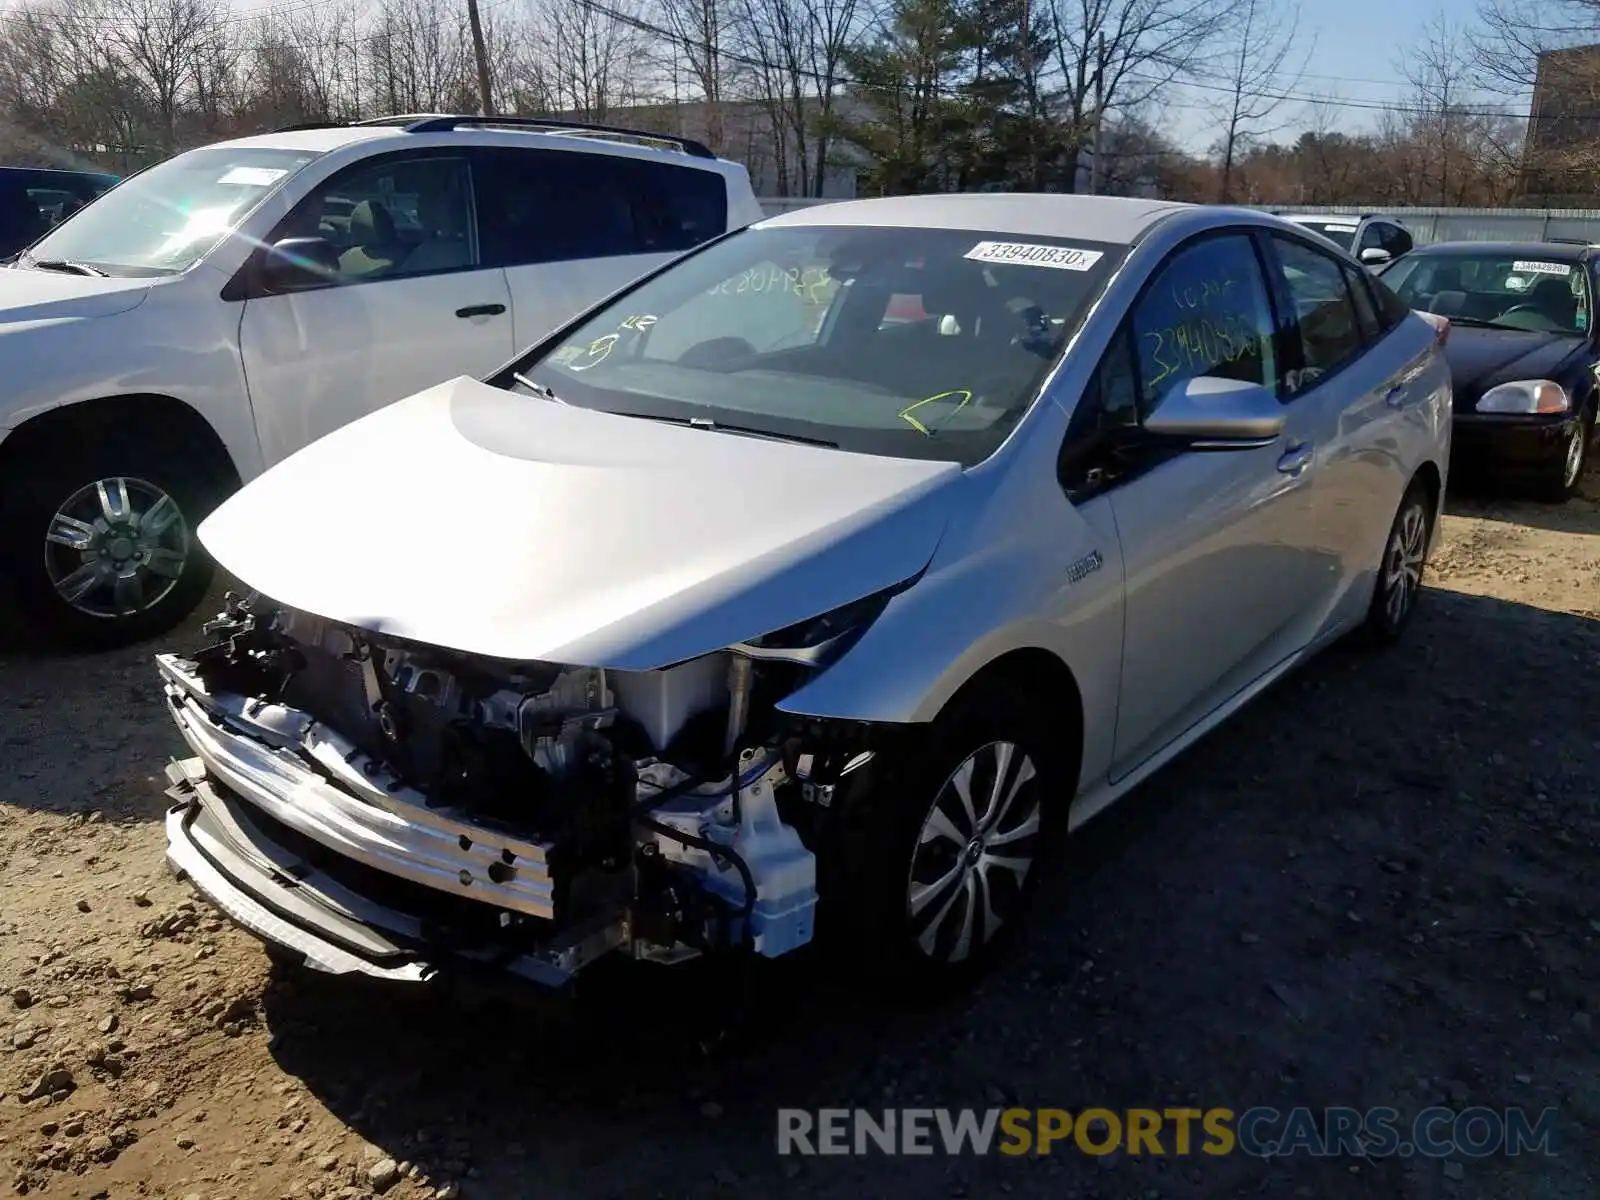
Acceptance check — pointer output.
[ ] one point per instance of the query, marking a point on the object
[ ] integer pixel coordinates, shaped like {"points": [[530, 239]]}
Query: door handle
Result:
{"points": [[1395, 397], [1297, 459], [481, 310]]}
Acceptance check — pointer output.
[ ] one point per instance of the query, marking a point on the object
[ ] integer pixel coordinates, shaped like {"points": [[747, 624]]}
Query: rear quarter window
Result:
{"points": [[682, 206]]}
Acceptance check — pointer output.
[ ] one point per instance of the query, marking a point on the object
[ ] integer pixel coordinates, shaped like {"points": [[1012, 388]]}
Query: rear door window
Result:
{"points": [[1323, 313]]}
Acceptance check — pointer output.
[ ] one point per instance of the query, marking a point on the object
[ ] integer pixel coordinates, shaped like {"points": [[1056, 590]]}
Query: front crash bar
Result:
{"points": [[282, 899], [353, 805]]}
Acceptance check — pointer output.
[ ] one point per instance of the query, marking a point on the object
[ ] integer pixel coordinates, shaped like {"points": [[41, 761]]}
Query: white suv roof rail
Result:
{"points": [[445, 122]]}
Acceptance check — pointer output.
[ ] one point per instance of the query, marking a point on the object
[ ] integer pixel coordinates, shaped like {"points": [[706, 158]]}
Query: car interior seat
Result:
{"points": [[375, 246]]}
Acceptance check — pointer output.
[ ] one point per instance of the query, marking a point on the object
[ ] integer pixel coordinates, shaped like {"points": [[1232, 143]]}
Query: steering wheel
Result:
{"points": [[1548, 324], [716, 352]]}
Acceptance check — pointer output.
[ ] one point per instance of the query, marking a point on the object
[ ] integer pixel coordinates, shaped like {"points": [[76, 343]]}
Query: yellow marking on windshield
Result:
{"points": [[905, 413]]}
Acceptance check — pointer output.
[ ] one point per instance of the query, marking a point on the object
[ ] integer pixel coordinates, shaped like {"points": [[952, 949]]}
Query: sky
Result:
{"points": [[1353, 59]]}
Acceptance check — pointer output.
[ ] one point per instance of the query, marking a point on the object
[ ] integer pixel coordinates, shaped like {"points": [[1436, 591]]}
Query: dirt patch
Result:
{"points": [[1377, 887]]}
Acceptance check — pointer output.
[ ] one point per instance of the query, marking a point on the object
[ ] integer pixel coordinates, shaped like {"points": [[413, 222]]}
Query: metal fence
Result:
{"points": [[1477, 224], [1426, 224]]}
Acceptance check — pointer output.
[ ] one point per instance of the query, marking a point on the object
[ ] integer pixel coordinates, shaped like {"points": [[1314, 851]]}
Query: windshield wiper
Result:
{"points": [[549, 393], [720, 427], [68, 265]]}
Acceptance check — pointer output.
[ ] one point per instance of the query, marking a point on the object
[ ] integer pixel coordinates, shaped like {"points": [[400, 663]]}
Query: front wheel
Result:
{"points": [[98, 541], [1405, 557], [1566, 476], [945, 848]]}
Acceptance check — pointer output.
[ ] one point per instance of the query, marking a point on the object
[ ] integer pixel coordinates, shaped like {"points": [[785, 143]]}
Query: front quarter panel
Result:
{"points": [[1027, 572], [180, 342]]}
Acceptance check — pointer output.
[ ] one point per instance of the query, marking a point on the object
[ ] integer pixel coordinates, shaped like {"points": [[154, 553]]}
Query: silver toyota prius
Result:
{"points": [[809, 590]]}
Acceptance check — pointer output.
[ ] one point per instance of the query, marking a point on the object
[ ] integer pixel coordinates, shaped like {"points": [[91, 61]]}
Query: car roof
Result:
{"points": [[1549, 251], [1113, 219]]}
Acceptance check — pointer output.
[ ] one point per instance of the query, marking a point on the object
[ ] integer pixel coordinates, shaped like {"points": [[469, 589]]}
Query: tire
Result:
{"points": [[1405, 558], [1566, 477], [98, 540], [897, 931]]}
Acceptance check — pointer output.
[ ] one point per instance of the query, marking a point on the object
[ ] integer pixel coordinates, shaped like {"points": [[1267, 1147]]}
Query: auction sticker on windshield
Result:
{"points": [[1543, 268], [254, 176], [1062, 258]]}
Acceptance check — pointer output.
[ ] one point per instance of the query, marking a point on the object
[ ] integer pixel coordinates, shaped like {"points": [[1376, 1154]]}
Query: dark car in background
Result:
{"points": [[33, 200], [1523, 350]]}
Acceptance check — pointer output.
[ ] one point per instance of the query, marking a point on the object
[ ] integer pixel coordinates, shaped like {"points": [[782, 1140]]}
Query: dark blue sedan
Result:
{"points": [[1524, 354]]}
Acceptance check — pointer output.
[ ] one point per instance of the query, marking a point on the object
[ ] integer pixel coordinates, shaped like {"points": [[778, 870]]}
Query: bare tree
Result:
{"points": [[421, 61], [328, 41], [701, 30], [584, 53], [795, 51], [1112, 53], [1437, 121], [167, 47], [1256, 78]]}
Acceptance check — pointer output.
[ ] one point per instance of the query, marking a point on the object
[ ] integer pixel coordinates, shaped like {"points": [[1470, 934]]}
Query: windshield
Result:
{"points": [[913, 343], [1505, 291], [1342, 233], [166, 219]]}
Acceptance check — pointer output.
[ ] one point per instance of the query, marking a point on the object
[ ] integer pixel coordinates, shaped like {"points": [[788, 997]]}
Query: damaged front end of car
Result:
{"points": [[383, 808]]}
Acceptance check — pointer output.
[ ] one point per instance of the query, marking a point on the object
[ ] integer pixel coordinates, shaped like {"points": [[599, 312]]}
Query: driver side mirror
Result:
{"points": [[295, 264], [1218, 414], [1374, 256]]}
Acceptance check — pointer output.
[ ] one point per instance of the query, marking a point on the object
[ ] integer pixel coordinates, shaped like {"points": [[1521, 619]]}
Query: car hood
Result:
{"points": [[1484, 358], [515, 527], [32, 295]]}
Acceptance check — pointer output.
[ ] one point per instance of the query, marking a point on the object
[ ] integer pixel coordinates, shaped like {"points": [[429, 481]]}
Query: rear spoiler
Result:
{"points": [[1440, 324]]}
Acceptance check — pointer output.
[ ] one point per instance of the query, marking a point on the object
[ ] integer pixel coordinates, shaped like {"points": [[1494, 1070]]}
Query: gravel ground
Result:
{"points": [[1375, 887]]}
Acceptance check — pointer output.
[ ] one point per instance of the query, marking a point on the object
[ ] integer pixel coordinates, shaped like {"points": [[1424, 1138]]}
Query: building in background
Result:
{"points": [[1561, 156]]}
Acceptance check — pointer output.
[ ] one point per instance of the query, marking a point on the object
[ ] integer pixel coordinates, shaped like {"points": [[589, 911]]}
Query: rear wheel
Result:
{"points": [[98, 540], [1405, 557]]}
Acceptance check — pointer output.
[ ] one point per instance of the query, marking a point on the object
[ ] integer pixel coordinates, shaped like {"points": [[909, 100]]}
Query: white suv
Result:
{"points": [[216, 312], [1376, 239]]}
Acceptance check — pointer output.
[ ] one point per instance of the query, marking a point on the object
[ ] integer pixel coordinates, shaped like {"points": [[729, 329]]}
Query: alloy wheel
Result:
{"points": [[116, 547], [1577, 445], [1402, 564], [974, 852]]}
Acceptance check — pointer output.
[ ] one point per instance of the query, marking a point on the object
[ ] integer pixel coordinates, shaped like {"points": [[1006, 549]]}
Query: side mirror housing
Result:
{"points": [[295, 264], [1375, 256], [1218, 414]]}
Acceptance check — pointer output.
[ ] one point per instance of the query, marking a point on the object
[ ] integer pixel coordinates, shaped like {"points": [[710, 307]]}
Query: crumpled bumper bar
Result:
{"points": [[358, 808], [281, 897]]}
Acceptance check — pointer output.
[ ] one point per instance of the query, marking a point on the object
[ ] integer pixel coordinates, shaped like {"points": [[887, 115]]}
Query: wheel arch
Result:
{"points": [[1046, 680], [176, 420], [1431, 478]]}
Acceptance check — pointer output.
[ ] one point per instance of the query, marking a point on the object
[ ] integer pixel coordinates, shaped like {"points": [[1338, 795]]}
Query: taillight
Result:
{"points": [[1441, 326]]}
